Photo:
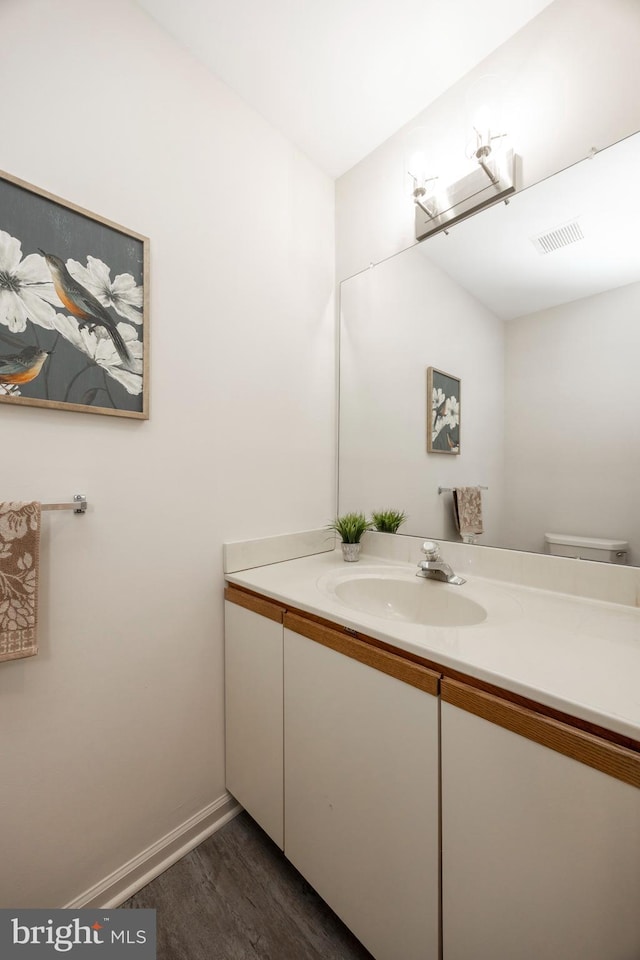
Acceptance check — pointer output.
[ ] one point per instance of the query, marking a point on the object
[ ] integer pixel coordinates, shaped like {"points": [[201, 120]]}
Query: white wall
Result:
{"points": [[113, 735], [570, 83], [397, 319], [572, 460]]}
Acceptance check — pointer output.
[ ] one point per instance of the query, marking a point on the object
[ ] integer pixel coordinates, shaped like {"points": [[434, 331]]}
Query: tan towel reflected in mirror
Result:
{"points": [[467, 511], [19, 574]]}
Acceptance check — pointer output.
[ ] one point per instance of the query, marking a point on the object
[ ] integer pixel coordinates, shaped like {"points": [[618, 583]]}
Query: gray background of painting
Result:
{"points": [[39, 222]]}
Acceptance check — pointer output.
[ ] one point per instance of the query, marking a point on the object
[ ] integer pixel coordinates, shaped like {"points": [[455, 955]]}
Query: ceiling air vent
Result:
{"points": [[560, 237]]}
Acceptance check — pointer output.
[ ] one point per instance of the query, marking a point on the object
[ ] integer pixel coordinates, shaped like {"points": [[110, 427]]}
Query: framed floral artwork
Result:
{"points": [[73, 306], [443, 412]]}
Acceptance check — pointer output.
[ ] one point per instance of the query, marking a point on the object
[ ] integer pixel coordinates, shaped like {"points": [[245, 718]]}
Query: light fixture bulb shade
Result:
{"points": [[416, 161], [418, 166], [485, 113], [483, 122], [418, 170]]}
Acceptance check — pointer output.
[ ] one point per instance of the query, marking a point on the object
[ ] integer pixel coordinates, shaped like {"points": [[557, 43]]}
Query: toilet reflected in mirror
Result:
{"points": [[586, 548]]}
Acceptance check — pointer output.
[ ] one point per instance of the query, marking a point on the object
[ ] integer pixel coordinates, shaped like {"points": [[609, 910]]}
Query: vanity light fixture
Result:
{"points": [[493, 175], [493, 180]]}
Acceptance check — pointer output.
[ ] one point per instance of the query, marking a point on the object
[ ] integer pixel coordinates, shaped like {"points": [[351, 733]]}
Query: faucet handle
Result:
{"points": [[431, 550]]}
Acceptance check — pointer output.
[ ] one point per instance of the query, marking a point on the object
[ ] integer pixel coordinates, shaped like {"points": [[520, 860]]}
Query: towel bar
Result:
{"points": [[79, 504], [451, 489]]}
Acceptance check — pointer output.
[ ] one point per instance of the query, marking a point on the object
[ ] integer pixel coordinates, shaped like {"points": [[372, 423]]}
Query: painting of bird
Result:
{"points": [[82, 305], [22, 367]]}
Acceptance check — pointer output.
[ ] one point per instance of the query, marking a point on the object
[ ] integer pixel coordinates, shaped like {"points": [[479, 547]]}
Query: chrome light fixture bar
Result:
{"points": [[494, 180]]}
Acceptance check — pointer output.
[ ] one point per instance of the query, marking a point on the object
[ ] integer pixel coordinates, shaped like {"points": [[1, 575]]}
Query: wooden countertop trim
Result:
{"points": [[266, 608], [609, 758], [351, 646]]}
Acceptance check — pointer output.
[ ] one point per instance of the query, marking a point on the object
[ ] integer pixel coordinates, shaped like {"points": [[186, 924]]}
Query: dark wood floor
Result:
{"points": [[236, 897]]}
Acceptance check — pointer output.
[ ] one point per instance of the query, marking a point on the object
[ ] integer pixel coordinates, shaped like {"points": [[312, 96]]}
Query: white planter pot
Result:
{"points": [[350, 552]]}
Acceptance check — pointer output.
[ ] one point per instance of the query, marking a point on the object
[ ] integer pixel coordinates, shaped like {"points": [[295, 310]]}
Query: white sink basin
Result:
{"points": [[420, 601]]}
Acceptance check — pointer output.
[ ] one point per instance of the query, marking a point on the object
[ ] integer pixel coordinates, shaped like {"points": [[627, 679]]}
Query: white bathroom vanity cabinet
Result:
{"points": [[540, 849], [439, 816]]}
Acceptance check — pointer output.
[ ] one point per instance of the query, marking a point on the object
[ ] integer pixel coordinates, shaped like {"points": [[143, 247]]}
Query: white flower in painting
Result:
{"points": [[26, 290], [452, 412], [99, 347], [438, 398], [122, 294]]}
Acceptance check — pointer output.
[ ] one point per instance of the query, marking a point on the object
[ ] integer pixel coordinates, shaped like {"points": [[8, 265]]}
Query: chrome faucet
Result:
{"points": [[433, 566]]}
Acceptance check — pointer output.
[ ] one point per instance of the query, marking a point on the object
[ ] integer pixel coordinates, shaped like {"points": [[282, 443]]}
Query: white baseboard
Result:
{"points": [[150, 863]]}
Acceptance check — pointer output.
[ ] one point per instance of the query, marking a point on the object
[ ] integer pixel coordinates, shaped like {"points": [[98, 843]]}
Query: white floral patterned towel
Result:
{"points": [[19, 556], [467, 510]]}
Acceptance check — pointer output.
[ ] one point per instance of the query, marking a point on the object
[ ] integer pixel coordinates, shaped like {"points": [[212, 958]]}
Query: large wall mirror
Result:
{"points": [[535, 307]]}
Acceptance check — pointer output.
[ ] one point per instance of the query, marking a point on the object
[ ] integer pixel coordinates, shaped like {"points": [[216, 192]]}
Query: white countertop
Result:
{"points": [[576, 655]]}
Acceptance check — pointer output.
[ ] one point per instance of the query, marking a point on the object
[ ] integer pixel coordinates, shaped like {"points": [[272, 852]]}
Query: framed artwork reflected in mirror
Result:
{"points": [[443, 412]]}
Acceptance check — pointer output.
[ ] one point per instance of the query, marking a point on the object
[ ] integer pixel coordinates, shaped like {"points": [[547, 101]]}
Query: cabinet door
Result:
{"points": [[253, 710], [540, 851], [361, 796]]}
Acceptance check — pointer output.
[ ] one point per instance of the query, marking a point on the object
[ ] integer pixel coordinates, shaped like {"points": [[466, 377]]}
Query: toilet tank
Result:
{"points": [[587, 548]]}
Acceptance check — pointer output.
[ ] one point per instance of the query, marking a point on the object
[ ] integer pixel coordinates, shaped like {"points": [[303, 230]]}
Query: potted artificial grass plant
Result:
{"points": [[388, 521], [350, 527]]}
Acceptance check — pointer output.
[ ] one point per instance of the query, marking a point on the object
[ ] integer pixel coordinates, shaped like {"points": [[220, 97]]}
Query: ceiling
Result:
{"points": [[338, 77]]}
